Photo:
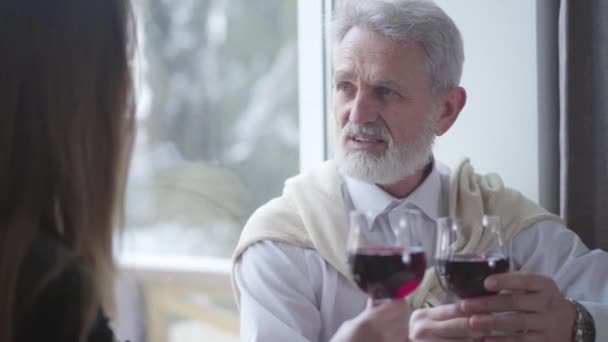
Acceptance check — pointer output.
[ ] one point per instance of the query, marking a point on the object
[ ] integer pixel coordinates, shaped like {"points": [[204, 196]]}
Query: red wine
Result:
{"points": [[464, 275], [383, 272]]}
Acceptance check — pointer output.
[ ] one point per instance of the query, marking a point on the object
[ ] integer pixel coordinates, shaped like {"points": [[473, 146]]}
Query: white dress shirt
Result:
{"points": [[292, 294]]}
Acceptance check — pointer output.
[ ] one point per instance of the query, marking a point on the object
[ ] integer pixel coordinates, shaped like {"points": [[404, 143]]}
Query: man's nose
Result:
{"points": [[363, 110]]}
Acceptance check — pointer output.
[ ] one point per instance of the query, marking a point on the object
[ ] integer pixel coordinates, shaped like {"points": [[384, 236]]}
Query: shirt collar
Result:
{"points": [[369, 197]]}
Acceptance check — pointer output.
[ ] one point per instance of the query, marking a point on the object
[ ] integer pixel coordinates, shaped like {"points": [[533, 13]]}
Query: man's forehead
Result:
{"points": [[354, 49], [348, 57], [373, 65], [392, 52], [363, 37], [374, 57]]}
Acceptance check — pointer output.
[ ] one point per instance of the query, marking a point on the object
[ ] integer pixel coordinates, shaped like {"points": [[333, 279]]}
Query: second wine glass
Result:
{"points": [[462, 272]]}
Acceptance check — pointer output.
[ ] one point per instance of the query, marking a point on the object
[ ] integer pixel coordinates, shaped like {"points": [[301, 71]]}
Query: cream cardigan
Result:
{"points": [[311, 214]]}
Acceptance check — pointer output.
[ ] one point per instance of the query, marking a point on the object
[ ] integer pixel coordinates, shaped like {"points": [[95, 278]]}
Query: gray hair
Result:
{"points": [[409, 20]]}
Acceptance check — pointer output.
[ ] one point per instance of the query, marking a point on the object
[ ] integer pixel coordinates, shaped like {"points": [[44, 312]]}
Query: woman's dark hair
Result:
{"points": [[65, 139]]}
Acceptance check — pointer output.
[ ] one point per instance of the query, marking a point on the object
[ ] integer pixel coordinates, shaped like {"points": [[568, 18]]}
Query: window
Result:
{"points": [[217, 110]]}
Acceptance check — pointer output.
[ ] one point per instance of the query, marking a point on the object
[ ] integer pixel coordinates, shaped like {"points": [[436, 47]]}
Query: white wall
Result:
{"points": [[498, 128]]}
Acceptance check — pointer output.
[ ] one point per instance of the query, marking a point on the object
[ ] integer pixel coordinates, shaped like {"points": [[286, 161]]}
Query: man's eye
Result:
{"points": [[344, 86], [384, 91]]}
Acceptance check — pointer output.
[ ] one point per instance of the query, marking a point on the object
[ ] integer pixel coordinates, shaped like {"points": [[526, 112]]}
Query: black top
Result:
{"points": [[54, 312]]}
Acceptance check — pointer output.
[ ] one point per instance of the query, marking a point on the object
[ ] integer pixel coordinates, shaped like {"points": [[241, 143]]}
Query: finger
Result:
{"points": [[423, 327], [529, 337], [440, 313], [518, 281], [514, 301], [446, 339], [454, 328], [445, 321], [508, 322], [439, 339]]}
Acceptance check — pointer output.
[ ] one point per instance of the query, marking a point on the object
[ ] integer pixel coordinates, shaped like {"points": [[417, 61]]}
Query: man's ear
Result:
{"points": [[451, 103]]}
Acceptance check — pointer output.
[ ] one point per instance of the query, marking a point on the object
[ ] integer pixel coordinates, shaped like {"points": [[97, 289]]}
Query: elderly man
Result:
{"points": [[397, 68]]}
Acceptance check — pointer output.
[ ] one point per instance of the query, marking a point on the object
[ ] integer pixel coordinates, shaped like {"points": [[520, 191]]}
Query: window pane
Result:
{"points": [[218, 125], [217, 136]]}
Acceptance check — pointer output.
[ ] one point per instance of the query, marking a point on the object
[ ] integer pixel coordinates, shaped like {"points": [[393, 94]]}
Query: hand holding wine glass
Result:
{"points": [[388, 264], [537, 311], [461, 272], [497, 304]]}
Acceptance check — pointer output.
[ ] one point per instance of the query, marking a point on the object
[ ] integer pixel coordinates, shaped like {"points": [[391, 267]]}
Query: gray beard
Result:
{"points": [[396, 164], [398, 161]]}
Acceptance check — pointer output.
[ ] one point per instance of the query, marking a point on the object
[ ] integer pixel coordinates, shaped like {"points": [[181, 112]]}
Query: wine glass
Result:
{"points": [[462, 272], [387, 262]]}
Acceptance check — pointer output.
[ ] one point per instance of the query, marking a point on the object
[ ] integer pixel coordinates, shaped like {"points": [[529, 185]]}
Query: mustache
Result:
{"points": [[379, 130], [376, 129]]}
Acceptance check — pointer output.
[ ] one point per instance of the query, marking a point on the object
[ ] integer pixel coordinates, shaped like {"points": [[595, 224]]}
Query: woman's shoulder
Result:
{"points": [[46, 266], [50, 295]]}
